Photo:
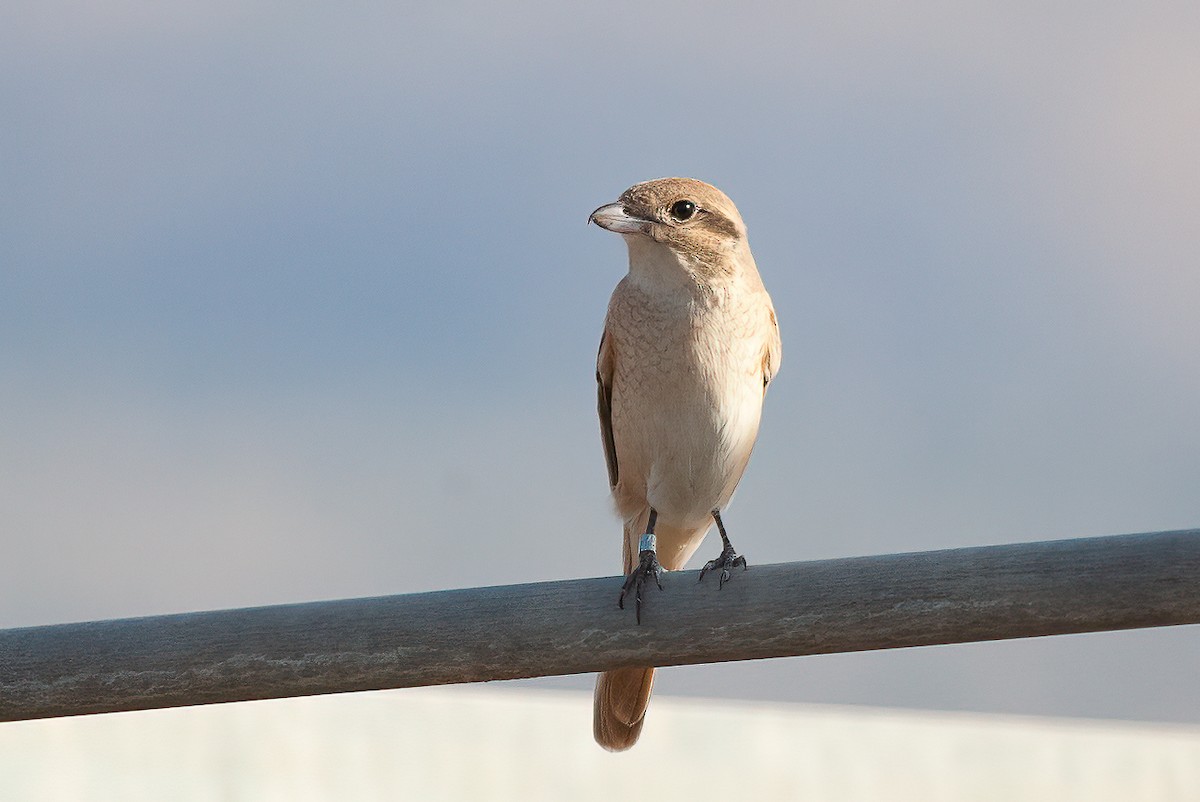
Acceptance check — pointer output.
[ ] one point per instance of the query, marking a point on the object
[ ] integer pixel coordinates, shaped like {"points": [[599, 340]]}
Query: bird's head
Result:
{"points": [[694, 220]]}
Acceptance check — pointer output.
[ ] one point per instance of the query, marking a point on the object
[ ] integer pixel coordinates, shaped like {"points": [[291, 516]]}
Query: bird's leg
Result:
{"points": [[647, 566], [728, 558]]}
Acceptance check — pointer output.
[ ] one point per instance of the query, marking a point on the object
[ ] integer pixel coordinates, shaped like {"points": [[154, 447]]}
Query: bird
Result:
{"points": [[689, 347]]}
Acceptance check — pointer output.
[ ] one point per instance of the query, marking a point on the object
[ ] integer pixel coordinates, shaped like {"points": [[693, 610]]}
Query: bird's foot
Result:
{"points": [[647, 567], [727, 561]]}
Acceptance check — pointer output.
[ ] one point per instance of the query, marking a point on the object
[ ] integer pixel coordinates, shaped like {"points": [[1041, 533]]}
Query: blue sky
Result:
{"points": [[300, 303]]}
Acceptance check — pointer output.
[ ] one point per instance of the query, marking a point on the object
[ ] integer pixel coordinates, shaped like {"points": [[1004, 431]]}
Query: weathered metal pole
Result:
{"points": [[479, 634]]}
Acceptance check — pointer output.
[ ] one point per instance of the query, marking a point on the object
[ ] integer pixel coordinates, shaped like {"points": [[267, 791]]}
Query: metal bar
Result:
{"points": [[568, 627]]}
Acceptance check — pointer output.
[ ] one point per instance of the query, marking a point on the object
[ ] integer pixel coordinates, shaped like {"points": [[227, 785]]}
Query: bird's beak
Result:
{"points": [[613, 217]]}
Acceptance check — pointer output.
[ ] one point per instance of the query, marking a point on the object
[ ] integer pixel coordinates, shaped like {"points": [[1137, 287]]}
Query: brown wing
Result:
{"points": [[604, 377], [772, 352]]}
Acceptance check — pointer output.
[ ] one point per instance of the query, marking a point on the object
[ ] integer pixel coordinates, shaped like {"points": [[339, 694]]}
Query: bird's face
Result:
{"points": [[695, 220]]}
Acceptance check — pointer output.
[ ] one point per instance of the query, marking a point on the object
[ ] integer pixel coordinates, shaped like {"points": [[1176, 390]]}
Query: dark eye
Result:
{"points": [[683, 210]]}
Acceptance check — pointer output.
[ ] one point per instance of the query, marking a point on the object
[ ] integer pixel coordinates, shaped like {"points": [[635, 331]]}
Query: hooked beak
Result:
{"points": [[612, 217]]}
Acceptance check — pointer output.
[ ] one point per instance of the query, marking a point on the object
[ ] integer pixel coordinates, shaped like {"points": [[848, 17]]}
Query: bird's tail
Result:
{"points": [[620, 706], [622, 695]]}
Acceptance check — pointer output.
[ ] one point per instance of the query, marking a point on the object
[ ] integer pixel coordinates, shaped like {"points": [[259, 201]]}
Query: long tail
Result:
{"points": [[620, 707], [622, 695]]}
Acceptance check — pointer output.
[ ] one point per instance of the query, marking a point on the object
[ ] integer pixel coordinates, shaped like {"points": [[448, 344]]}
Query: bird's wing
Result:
{"points": [[772, 351], [604, 379]]}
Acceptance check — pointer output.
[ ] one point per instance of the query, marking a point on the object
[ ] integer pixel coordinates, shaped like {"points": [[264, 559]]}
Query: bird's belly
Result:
{"points": [[688, 444]]}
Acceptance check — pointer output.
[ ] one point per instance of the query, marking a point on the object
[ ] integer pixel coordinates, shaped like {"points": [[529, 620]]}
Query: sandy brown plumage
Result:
{"points": [[690, 344]]}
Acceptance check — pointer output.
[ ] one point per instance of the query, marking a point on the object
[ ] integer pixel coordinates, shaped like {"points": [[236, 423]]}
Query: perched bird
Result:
{"points": [[690, 344]]}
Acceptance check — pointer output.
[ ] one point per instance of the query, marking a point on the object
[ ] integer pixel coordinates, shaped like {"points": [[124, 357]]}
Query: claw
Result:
{"points": [[726, 561], [647, 564]]}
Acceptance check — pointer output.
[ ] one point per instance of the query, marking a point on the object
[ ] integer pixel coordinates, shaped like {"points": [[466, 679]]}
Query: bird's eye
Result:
{"points": [[682, 210]]}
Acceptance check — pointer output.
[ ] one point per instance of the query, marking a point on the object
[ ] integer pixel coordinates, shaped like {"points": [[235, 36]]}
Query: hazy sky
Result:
{"points": [[300, 303]]}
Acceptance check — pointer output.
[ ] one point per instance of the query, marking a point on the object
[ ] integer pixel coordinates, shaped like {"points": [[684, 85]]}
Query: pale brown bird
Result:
{"points": [[690, 344]]}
